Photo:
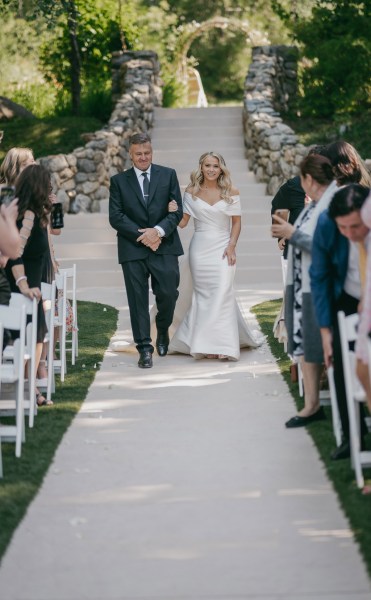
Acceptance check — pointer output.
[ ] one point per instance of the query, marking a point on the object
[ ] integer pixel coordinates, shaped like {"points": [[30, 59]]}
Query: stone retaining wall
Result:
{"points": [[81, 178], [272, 148]]}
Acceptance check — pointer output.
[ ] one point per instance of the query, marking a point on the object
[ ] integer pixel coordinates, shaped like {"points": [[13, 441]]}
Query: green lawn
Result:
{"points": [[356, 506], [23, 476], [52, 135]]}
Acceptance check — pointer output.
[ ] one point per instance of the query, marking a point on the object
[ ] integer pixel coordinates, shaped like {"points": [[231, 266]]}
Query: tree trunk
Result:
{"points": [[75, 59]]}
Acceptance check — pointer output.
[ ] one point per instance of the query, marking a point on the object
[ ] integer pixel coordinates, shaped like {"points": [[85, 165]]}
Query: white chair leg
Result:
{"points": [[336, 422]]}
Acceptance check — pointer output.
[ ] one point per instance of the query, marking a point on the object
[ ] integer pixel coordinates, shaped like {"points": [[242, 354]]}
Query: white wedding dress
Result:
{"points": [[207, 316]]}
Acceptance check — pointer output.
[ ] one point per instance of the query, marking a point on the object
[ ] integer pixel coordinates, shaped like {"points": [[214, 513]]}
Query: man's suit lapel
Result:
{"points": [[155, 178], [134, 184]]}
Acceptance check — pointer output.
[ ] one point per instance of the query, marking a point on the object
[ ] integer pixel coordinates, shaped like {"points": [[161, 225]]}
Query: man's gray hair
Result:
{"points": [[139, 138]]}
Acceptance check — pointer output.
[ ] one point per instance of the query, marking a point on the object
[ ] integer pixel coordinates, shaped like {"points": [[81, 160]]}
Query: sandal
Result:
{"points": [[222, 357], [211, 356], [42, 401]]}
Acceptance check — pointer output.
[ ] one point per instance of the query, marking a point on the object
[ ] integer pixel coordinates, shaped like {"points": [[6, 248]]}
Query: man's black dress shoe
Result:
{"points": [[162, 343], [302, 421], [145, 360], [342, 451]]}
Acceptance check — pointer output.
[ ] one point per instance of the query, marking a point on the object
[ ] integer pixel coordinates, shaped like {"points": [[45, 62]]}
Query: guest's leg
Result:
{"points": [[136, 282], [311, 377], [364, 377]]}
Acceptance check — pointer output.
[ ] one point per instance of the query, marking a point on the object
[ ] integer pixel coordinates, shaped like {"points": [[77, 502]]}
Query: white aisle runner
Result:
{"points": [[181, 482]]}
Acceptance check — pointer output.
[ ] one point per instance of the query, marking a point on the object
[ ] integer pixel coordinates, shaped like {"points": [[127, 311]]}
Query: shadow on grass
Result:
{"points": [[356, 506], [23, 476]]}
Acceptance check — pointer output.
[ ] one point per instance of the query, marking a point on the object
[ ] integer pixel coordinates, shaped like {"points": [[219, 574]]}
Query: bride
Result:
{"points": [[211, 324]]}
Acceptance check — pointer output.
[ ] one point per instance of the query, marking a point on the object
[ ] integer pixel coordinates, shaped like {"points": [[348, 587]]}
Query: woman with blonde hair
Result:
{"points": [[15, 161], [212, 325]]}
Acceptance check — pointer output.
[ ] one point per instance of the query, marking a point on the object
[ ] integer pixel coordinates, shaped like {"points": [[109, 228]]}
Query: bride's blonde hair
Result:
{"points": [[224, 180]]}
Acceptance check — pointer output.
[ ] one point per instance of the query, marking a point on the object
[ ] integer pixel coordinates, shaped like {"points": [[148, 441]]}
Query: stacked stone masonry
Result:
{"points": [[81, 179], [272, 147]]}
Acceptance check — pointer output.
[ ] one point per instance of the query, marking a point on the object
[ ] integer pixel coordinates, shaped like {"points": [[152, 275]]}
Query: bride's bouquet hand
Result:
{"points": [[172, 206]]}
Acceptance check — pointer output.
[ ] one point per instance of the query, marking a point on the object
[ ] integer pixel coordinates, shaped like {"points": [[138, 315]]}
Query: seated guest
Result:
{"points": [[336, 285], [364, 327], [304, 340], [24, 273]]}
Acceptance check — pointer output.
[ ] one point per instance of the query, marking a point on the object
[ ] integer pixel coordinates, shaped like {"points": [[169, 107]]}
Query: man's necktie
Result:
{"points": [[362, 262], [145, 187]]}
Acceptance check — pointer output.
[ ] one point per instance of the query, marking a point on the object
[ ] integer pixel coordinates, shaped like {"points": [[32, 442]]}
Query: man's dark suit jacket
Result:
{"points": [[128, 212]]}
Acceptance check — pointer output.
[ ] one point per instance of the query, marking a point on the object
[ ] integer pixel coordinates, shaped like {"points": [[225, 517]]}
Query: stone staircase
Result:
{"points": [[179, 137]]}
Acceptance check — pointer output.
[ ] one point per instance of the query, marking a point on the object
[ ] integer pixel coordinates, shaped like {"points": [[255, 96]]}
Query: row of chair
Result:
{"points": [[355, 394], [14, 358], [360, 459]]}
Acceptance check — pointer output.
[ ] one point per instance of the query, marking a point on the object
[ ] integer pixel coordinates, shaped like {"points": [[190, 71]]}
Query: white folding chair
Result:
{"points": [[48, 296], [18, 300], [60, 364], [71, 291], [13, 373], [354, 393], [1, 352]]}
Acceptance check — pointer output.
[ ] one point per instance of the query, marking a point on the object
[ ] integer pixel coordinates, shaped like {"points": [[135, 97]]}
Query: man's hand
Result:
{"points": [[326, 336], [149, 238]]}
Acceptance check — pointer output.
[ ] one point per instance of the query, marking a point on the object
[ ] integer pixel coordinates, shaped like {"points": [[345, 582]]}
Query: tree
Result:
{"points": [[336, 47]]}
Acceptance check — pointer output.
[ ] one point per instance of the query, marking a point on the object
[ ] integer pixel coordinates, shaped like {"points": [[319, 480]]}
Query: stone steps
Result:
{"points": [[179, 137]]}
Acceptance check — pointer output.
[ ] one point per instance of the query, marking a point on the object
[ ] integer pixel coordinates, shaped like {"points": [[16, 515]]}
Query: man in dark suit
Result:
{"points": [[148, 242]]}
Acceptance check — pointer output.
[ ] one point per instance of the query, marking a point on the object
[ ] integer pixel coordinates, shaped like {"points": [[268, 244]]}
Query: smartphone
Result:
{"points": [[7, 194], [284, 213]]}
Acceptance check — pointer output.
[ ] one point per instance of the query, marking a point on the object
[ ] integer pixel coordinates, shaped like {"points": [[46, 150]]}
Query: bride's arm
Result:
{"points": [[230, 251], [184, 222]]}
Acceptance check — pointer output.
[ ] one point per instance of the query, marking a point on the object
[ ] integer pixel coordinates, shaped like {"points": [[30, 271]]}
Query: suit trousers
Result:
{"points": [[349, 305], [163, 269]]}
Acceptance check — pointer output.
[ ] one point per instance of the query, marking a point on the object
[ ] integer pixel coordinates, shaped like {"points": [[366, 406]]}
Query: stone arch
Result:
{"points": [[191, 31]]}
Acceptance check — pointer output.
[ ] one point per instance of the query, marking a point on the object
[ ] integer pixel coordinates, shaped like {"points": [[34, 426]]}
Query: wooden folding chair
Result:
{"points": [[71, 291], [355, 394], [12, 372]]}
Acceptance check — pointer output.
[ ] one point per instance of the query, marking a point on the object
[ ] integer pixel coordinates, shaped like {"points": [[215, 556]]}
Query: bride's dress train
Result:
{"points": [[207, 317]]}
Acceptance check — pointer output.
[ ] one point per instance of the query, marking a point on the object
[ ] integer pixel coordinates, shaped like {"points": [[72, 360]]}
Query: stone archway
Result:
{"points": [[191, 31]]}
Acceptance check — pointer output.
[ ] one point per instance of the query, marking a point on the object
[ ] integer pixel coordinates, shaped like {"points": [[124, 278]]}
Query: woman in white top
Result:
{"points": [[211, 324]]}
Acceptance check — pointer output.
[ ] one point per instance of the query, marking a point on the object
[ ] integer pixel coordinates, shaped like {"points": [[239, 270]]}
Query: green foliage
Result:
{"points": [[98, 36], [23, 476], [336, 46], [356, 506], [52, 135], [352, 128], [222, 80]]}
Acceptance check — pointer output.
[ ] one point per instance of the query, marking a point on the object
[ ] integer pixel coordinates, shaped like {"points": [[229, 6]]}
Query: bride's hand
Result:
{"points": [[230, 253], [172, 206]]}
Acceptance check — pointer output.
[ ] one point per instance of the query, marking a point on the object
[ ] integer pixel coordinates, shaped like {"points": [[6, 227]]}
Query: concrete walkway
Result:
{"points": [[181, 482]]}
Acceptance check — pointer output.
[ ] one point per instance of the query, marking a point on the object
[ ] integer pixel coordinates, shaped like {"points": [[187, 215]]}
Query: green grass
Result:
{"points": [[356, 506], [23, 476], [51, 135], [312, 130]]}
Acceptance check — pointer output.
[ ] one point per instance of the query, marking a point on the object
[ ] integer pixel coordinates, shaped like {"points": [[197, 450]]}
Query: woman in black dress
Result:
{"points": [[25, 272]]}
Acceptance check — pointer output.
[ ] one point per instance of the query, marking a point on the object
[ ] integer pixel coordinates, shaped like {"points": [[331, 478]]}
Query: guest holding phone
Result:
{"points": [[304, 339]]}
